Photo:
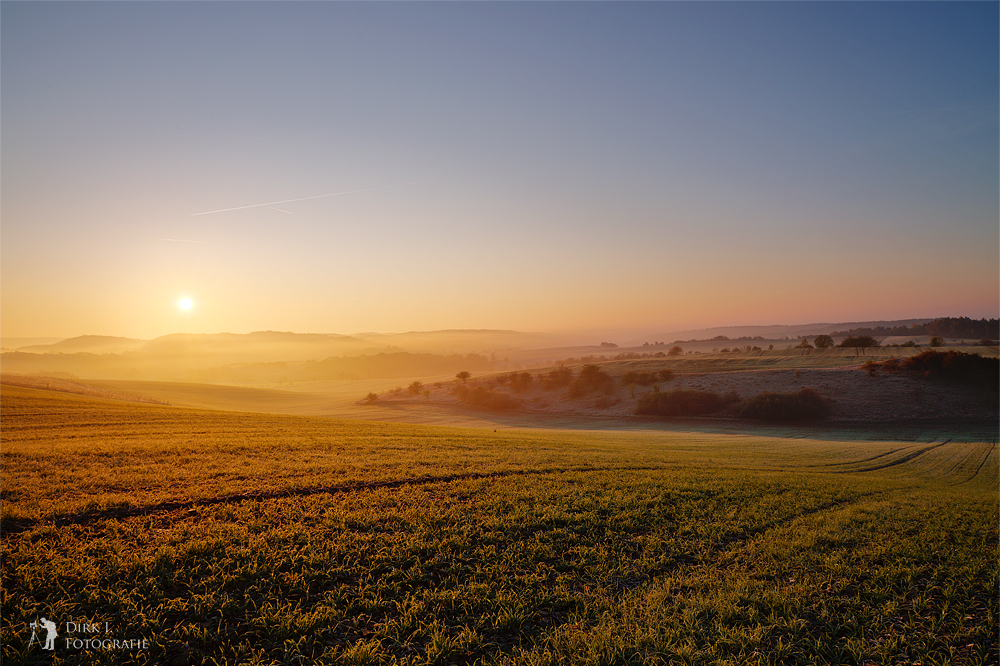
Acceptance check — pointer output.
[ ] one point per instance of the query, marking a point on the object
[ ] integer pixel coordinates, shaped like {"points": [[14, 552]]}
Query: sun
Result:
{"points": [[185, 303]]}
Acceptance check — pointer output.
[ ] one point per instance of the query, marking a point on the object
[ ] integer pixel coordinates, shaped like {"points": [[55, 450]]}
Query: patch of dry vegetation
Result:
{"points": [[69, 386]]}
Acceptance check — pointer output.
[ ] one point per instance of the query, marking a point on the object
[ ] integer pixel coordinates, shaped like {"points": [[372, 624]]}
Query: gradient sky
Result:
{"points": [[540, 167]]}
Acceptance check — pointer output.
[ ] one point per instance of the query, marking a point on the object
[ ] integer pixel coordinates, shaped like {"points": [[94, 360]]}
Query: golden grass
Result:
{"points": [[233, 537]]}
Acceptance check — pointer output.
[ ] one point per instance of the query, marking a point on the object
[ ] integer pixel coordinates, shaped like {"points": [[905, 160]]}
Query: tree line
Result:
{"points": [[946, 327]]}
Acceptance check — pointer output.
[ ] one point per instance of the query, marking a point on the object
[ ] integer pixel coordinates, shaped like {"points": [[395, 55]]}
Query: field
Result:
{"points": [[225, 537]]}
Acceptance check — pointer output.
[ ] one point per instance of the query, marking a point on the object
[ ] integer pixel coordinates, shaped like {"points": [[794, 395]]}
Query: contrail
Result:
{"points": [[318, 196]]}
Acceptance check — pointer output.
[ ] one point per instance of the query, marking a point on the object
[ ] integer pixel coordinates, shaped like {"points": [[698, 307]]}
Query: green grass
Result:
{"points": [[241, 538]]}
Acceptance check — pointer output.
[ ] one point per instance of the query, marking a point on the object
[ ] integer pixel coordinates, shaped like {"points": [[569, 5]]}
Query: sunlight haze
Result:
{"points": [[345, 167]]}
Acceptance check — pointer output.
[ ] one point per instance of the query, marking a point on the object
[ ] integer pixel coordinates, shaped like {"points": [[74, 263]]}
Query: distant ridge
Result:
{"points": [[774, 331], [94, 344]]}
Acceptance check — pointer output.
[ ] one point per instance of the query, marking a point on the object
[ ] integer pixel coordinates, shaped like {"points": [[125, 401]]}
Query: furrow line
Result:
{"points": [[981, 463], [164, 507], [902, 460]]}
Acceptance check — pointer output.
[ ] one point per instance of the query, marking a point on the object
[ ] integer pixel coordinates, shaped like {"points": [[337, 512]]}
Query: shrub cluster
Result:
{"points": [[591, 379], [955, 366], [557, 378], [806, 405], [859, 341], [483, 397], [639, 378], [682, 402], [519, 381]]}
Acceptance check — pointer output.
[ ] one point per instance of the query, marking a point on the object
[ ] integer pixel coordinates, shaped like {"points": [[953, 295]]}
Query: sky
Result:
{"points": [[529, 166]]}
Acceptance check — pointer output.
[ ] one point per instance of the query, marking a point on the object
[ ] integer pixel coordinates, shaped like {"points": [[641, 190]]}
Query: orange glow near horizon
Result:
{"points": [[541, 167]]}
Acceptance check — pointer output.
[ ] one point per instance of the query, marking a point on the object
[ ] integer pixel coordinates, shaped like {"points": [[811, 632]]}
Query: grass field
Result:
{"points": [[225, 537]]}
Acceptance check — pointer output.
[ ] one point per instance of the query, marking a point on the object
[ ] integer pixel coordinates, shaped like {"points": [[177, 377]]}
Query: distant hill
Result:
{"points": [[946, 327], [772, 332], [17, 343], [184, 355], [93, 344], [462, 341]]}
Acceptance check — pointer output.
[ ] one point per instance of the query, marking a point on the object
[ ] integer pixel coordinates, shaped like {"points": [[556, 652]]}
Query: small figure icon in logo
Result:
{"points": [[50, 638]]}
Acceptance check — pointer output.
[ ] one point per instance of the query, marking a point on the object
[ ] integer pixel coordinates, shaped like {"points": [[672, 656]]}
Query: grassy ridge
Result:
{"points": [[267, 539]]}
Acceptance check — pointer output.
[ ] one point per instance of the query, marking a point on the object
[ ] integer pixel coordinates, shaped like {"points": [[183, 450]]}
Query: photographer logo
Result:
{"points": [[82, 635], [50, 633]]}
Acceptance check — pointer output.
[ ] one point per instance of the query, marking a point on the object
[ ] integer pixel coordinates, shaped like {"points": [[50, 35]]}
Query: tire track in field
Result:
{"points": [[904, 459], [169, 506], [716, 549], [864, 460], [972, 453], [981, 463]]}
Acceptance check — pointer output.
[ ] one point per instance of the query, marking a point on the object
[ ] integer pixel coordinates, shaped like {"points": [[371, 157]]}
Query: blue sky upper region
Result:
{"points": [[535, 166]]}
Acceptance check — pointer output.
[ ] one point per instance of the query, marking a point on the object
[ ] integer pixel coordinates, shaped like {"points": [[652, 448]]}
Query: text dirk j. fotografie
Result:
{"points": [[94, 635]]}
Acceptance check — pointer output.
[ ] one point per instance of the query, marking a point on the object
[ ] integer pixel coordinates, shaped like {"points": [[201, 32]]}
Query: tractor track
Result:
{"points": [[904, 459], [15, 526]]}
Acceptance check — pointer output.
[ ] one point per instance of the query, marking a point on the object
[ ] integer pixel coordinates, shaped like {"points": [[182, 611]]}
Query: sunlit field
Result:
{"points": [[265, 539]]}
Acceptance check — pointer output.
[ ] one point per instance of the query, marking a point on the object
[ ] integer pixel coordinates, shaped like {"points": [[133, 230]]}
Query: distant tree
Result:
{"points": [[591, 378], [804, 344], [859, 341], [937, 341], [609, 345], [823, 342], [416, 387], [521, 381], [463, 375], [556, 378], [371, 398], [675, 351]]}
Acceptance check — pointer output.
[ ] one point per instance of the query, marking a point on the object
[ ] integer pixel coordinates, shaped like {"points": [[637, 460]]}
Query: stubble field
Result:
{"points": [[223, 537]]}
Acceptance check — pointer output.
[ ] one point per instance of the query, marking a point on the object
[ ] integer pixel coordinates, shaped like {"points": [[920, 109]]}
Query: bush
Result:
{"points": [[937, 341], [416, 387], [682, 402], [481, 397], [858, 341], [640, 378], [675, 351], [806, 405], [371, 398], [956, 366], [604, 402], [557, 378], [666, 375], [463, 375], [521, 381], [591, 378], [891, 364]]}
